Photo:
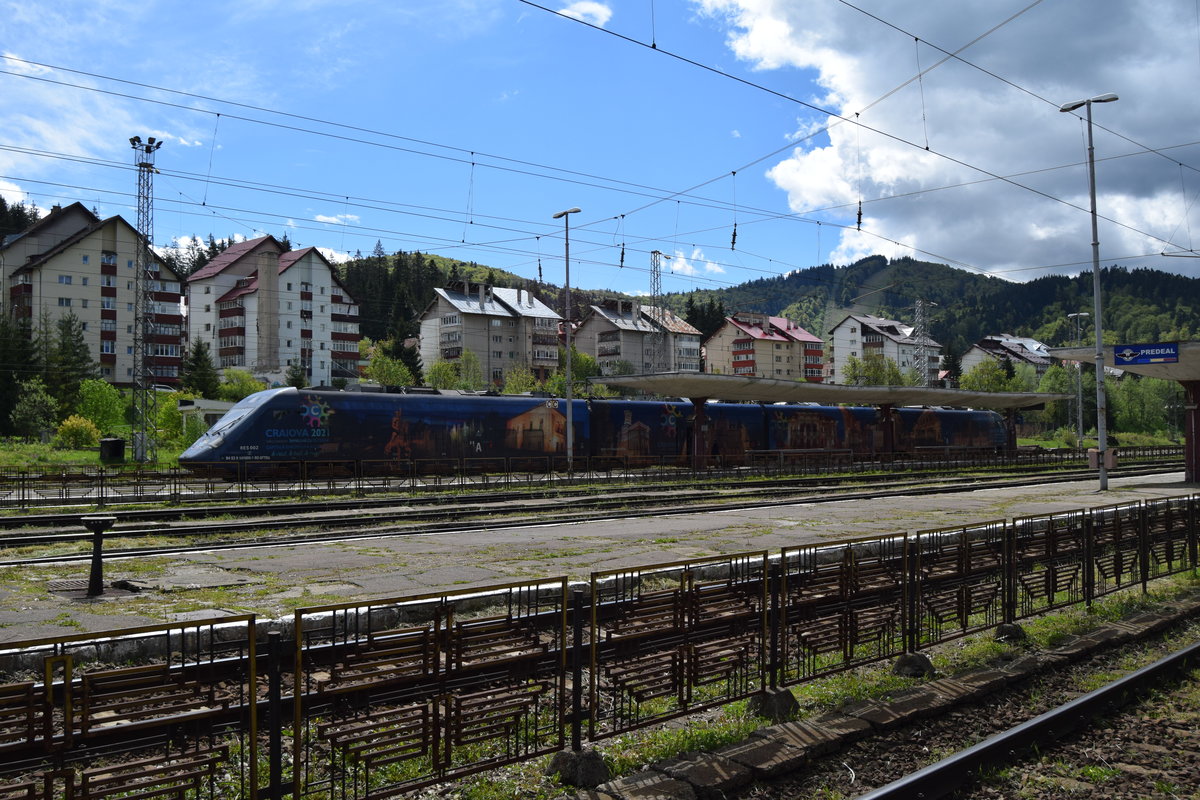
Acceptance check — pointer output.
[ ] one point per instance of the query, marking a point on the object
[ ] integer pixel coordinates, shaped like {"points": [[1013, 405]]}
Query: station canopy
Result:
{"points": [[1184, 370], [736, 388]]}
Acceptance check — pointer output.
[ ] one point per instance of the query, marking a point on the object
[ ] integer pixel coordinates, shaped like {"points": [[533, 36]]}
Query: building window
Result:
{"points": [[85, 259], [497, 354], [64, 279], [65, 302], [108, 280], [129, 307], [106, 346], [84, 280], [83, 303]]}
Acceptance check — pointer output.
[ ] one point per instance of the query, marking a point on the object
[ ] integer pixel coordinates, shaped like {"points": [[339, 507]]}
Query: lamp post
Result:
{"points": [[566, 218], [1077, 318], [1101, 404]]}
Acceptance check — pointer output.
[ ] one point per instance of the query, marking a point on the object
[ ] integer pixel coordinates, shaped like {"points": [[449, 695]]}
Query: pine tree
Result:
{"points": [[198, 374], [70, 362], [17, 363]]}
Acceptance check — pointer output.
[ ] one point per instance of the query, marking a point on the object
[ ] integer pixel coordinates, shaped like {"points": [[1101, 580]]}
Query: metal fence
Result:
{"points": [[377, 698], [115, 485]]}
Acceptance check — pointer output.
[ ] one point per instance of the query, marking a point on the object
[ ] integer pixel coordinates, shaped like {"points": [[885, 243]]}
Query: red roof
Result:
{"points": [[781, 330]]}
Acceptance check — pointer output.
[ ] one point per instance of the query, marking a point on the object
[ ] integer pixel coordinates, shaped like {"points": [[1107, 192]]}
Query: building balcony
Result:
{"points": [[451, 352]]}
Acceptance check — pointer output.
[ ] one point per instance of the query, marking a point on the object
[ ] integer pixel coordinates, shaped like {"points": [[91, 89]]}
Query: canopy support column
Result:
{"points": [[1010, 430], [887, 418], [700, 435], [1191, 435]]}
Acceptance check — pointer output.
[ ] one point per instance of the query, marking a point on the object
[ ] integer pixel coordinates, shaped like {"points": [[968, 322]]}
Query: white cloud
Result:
{"points": [[589, 11], [925, 136], [337, 219], [695, 264]]}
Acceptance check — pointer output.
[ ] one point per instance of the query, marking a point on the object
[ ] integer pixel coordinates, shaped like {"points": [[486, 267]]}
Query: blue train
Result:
{"points": [[316, 425]]}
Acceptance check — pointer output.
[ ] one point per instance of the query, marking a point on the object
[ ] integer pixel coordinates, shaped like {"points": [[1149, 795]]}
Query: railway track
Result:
{"points": [[327, 521], [1046, 737]]}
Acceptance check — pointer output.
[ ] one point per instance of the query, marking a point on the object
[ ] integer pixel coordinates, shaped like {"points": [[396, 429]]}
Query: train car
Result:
{"points": [[305, 425], [315, 425]]}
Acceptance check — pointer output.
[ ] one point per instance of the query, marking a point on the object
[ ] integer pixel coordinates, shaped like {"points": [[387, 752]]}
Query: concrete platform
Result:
{"points": [[272, 581]]}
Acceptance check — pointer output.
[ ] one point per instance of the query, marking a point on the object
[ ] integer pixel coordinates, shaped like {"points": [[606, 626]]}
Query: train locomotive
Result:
{"points": [[289, 424]]}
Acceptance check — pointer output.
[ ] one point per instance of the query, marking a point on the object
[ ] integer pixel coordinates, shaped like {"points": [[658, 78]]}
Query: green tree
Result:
{"points": [[102, 404], [70, 361], [198, 374], [875, 371], [519, 380], [18, 362], [35, 411], [442, 375], [297, 376], [470, 373], [385, 370], [76, 433], [238, 384], [989, 376], [168, 420], [952, 365]]}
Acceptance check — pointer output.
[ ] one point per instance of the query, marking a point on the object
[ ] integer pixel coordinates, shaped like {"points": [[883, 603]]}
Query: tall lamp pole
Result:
{"points": [[1077, 318], [566, 218], [1101, 403]]}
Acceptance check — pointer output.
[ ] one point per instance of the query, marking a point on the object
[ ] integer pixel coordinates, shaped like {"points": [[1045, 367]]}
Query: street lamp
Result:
{"points": [[1077, 318], [566, 218], [1101, 404]]}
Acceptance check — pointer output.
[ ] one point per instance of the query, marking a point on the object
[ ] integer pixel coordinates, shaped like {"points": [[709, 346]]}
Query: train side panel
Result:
{"points": [[291, 425]]}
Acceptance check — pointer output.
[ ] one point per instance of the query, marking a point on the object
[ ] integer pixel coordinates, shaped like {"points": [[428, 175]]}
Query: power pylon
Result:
{"points": [[658, 337], [145, 400]]}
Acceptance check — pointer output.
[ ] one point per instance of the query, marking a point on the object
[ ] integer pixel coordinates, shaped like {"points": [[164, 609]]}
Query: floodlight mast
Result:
{"points": [[145, 400]]}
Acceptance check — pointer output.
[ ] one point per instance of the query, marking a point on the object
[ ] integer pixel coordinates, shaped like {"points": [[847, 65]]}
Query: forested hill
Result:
{"points": [[1140, 305]]}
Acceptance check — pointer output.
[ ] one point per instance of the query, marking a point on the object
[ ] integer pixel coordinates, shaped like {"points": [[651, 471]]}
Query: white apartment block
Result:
{"points": [[864, 336], [761, 346], [504, 328], [263, 310], [71, 261]]}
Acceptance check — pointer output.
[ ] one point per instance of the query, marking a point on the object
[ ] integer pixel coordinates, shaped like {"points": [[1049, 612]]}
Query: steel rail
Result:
{"points": [[950, 774], [367, 526]]}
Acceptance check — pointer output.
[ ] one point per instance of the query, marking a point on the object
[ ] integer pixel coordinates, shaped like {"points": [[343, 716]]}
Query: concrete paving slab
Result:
{"points": [[263, 580]]}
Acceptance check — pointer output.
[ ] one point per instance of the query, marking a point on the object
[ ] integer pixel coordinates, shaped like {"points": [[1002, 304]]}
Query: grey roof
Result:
{"points": [[498, 302], [523, 303], [668, 320], [893, 329], [774, 390], [625, 321]]}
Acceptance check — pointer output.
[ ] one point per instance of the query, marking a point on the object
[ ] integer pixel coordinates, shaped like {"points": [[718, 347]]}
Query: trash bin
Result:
{"points": [[1110, 458], [112, 451]]}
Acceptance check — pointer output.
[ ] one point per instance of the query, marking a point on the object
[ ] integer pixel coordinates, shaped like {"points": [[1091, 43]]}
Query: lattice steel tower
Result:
{"points": [[145, 400], [659, 317], [921, 335]]}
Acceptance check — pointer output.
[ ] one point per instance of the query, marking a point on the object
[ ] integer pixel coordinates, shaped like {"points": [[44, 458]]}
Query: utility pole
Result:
{"points": [[145, 400]]}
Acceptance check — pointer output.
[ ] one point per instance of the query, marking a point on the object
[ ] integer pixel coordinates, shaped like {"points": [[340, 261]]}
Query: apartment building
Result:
{"points": [[624, 335], [762, 346], [71, 261], [264, 309], [1017, 349], [866, 336], [504, 328]]}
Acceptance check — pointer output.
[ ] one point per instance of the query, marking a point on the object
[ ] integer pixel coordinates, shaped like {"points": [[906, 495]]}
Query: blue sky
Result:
{"points": [[459, 127]]}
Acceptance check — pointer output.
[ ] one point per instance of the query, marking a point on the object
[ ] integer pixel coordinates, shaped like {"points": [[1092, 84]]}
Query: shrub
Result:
{"points": [[76, 433]]}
